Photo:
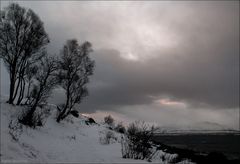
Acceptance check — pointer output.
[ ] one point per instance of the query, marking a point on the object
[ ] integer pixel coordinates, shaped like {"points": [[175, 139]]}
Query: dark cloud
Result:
{"points": [[145, 51], [200, 82]]}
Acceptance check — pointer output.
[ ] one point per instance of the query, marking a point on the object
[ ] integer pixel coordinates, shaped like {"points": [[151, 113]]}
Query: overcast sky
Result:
{"points": [[172, 63]]}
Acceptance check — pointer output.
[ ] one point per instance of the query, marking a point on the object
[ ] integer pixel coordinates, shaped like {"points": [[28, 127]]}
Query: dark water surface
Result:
{"points": [[229, 144]]}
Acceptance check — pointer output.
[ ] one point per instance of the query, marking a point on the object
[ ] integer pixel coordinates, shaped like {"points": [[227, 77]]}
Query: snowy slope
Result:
{"points": [[68, 141]]}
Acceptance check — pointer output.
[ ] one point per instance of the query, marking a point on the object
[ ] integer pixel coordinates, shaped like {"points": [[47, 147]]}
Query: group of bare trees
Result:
{"points": [[33, 73], [22, 39]]}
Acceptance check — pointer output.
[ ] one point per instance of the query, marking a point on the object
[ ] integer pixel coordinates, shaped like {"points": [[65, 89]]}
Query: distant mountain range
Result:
{"points": [[201, 127]]}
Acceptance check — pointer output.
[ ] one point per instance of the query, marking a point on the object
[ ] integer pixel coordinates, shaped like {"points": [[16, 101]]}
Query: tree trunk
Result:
{"points": [[12, 87], [24, 84], [62, 113], [16, 89], [21, 93]]}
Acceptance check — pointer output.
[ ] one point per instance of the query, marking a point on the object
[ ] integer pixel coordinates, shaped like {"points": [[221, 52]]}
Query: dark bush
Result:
{"points": [[109, 120], [33, 119], [120, 128], [137, 142], [75, 113], [91, 121]]}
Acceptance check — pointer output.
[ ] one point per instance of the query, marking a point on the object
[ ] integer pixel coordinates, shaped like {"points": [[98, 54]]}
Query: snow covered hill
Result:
{"points": [[69, 141]]}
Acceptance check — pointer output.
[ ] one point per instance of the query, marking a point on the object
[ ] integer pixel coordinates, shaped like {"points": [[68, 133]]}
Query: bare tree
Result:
{"points": [[45, 81], [75, 67], [22, 37]]}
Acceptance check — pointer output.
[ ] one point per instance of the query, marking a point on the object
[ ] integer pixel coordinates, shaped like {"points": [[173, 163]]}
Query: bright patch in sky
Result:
{"points": [[170, 102], [130, 56]]}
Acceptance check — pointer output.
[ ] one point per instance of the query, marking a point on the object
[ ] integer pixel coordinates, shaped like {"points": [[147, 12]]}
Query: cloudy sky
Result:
{"points": [[172, 63]]}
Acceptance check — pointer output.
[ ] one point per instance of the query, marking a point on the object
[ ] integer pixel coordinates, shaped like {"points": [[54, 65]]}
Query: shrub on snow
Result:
{"points": [[120, 128], [109, 120], [107, 137], [137, 142], [37, 119]]}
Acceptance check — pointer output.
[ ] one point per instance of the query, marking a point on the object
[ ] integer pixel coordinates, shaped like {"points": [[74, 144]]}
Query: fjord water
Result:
{"points": [[226, 143]]}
